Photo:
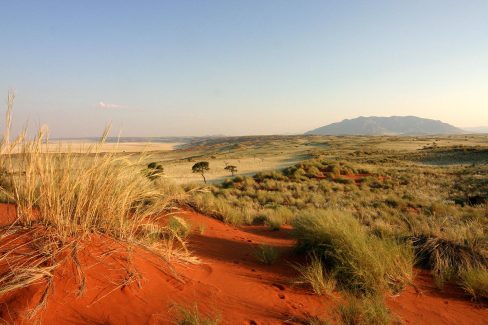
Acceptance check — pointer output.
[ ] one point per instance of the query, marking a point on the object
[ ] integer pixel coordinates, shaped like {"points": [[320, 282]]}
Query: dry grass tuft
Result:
{"points": [[448, 259], [266, 254], [62, 198], [192, 316], [364, 311], [315, 276], [475, 282], [361, 263]]}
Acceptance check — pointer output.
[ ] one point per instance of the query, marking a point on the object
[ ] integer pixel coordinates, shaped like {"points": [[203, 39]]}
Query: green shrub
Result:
{"points": [[266, 254], [361, 263], [475, 282], [274, 222], [343, 180], [154, 170], [192, 316], [315, 276], [364, 311], [179, 226], [448, 259]]}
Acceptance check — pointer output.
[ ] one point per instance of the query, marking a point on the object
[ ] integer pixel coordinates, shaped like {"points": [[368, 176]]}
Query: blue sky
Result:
{"points": [[156, 68]]}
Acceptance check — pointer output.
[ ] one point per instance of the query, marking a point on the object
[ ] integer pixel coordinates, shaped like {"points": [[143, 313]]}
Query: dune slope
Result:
{"points": [[128, 285]]}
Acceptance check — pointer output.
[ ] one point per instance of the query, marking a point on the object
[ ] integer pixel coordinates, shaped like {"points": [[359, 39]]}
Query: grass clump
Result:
{"points": [[266, 254], [474, 281], [449, 259], [361, 263], [315, 276], [79, 194], [192, 316], [364, 311], [274, 223], [62, 198], [219, 208], [179, 226]]}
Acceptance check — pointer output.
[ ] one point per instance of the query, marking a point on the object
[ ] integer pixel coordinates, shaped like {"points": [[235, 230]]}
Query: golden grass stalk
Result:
{"points": [[78, 193], [63, 197], [315, 276]]}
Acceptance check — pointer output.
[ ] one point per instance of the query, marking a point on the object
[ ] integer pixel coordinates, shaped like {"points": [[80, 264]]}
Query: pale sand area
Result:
{"points": [[83, 146]]}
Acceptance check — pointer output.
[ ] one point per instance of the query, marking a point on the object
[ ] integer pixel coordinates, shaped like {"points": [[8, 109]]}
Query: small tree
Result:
{"points": [[200, 168], [231, 168]]}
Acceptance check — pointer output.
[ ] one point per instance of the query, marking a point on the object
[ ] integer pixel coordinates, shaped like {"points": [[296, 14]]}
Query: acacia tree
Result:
{"points": [[200, 168], [231, 168]]}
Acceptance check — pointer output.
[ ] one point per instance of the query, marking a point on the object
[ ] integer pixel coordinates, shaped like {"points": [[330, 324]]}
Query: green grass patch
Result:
{"points": [[362, 263]]}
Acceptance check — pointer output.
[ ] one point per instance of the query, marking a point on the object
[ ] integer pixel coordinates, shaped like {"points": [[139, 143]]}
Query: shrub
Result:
{"points": [[315, 276], [333, 169], [475, 282], [259, 219], [82, 193], [313, 172], [343, 180], [361, 263], [448, 259], [192, 316], [314, 320], [274, 222], [62, 198], [364, 311], [155, 170], [266, 254], [179, 226]]}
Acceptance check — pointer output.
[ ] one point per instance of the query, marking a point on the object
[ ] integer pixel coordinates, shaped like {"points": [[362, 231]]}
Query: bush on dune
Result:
{"points": [[192, 316], [81, 194], [315, 276], [364, 311], [449, 259], [361, 263], [475, 282], [63, 198]]}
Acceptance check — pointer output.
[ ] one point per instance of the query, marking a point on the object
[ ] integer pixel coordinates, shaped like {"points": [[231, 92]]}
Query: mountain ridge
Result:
{"points": [[382, 125]]}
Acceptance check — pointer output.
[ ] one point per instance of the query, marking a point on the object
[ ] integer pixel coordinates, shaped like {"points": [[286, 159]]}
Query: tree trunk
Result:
{"points": [[204, 179]]}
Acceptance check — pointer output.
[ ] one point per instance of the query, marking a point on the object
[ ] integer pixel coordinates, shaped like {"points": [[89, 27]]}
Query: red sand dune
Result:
{"points": [[228, 283]]}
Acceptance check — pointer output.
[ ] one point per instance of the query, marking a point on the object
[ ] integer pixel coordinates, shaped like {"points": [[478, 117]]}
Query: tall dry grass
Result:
{"points": [[79, 192], [63, 198], [361, 263]]}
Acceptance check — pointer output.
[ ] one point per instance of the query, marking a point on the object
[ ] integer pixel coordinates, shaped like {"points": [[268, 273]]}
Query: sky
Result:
{"points": [[195, 68]]}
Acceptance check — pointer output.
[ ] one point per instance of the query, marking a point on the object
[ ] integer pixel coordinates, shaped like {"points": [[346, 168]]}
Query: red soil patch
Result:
{"points": [[7, 214], [245, 289], [433, 306], [229, 283]]}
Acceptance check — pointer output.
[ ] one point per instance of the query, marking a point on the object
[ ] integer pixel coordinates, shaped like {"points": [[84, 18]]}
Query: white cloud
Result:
{"points": [[109, 105]]}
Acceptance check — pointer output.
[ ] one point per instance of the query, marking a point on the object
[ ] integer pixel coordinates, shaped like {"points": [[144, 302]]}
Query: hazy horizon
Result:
{"points": [[190, 68]]}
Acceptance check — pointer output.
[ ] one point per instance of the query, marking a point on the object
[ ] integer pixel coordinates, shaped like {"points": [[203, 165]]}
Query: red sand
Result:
{"points": [[229, 283], [433, 306]]}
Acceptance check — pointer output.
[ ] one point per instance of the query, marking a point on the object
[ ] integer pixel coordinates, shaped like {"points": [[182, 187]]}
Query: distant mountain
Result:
{"points": [[478, 129], [393, 125]]}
